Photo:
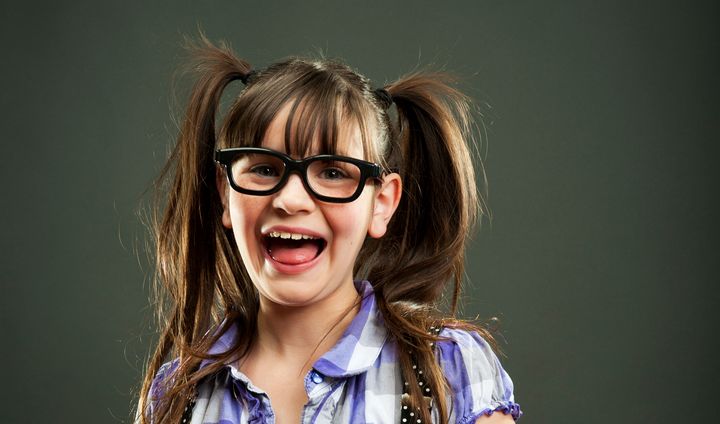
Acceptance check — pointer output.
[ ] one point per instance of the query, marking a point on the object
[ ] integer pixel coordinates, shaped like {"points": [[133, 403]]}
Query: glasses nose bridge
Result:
{"points": [[299, 167]]}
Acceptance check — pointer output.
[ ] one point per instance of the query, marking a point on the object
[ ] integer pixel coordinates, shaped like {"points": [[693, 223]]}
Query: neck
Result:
{"points": [[302, 334]]}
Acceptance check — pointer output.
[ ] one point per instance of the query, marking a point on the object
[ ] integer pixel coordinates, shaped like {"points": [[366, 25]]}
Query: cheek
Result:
{"points": [[350, 226], [244, 214]]}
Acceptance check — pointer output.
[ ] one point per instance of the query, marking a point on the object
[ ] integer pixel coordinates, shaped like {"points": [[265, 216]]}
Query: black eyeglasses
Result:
{"points": [[330, 178]]}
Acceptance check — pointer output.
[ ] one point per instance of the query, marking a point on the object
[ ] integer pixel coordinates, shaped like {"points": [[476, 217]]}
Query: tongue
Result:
{"points": [[293, 252]]}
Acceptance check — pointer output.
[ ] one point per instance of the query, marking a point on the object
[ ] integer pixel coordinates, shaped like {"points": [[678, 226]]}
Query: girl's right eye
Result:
{"points": [[264, 171]]}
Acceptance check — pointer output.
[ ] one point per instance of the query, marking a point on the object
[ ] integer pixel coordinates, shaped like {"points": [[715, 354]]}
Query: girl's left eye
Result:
{"points": [[333, 174]]}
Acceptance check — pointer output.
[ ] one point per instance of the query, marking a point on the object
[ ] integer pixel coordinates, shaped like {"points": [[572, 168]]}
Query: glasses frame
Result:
{"points": [[224, 157]]}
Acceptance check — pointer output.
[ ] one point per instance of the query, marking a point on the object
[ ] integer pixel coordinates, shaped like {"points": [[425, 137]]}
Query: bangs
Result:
{"points": [[322, 108]]}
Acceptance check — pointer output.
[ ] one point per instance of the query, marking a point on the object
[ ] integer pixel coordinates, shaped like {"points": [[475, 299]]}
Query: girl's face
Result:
{"points": [[319, 267]]}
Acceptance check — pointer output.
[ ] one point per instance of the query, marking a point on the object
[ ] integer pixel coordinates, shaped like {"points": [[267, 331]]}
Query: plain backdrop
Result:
{"points": [[601, 151]]}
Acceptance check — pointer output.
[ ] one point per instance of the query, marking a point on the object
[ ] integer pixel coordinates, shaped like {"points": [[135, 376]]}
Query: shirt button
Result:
{"points": [[316, 377]]}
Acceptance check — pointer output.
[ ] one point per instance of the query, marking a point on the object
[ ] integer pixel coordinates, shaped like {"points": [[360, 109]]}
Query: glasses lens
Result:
{"points": [[333, 178], [257, 171]]}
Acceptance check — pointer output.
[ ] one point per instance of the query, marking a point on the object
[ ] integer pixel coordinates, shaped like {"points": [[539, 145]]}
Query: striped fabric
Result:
{"points": [[358, 380]]}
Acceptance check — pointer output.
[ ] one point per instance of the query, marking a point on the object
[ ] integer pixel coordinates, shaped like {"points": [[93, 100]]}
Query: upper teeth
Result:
{"points": [[294, 236]]}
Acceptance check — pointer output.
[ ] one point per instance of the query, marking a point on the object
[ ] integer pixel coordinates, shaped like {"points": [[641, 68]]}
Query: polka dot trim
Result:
{"points": [[407, 415], [187, 414]]}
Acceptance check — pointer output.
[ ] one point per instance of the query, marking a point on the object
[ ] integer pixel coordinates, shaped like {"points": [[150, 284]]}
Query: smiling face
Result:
{"points": [[300, 251]]}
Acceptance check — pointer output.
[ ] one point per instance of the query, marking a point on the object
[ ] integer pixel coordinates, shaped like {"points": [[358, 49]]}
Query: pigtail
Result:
{"points": [[194, 253], [423, 249], [439, 206]]}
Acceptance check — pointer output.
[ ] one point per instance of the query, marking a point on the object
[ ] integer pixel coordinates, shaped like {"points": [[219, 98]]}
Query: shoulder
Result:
{"points": [[161, 382], [467, 356], [158, 387], [478, 382]]}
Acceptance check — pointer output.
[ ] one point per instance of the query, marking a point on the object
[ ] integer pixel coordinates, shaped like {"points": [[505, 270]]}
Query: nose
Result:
{"points": [[293, 198]]}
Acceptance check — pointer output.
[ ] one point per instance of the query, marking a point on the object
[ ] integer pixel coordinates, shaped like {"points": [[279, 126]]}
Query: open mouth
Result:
{"points": [[292, 248]]}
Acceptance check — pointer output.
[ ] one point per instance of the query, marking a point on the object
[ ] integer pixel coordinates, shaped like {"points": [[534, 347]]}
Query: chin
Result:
{"points": [[302, 290], [292, 298]]}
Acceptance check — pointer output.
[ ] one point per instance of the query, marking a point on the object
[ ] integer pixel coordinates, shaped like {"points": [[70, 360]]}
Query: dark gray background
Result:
{"points": [[602, 123]]}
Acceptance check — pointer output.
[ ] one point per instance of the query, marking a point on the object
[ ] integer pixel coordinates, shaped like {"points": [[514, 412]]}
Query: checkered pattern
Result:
{"points": [[359, 380]]}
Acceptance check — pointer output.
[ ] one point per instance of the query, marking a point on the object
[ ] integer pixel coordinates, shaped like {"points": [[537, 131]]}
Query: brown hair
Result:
{"points": [[200, 278]]}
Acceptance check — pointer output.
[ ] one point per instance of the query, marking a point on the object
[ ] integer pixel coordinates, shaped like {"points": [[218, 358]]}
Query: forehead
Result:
{"points": [[282, 133]]}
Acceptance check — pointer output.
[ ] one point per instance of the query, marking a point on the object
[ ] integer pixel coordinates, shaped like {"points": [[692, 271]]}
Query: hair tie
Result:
{"points": [[247, 78], [383, 97]]}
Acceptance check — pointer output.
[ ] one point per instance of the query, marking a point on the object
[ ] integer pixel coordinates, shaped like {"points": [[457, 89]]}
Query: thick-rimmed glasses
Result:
{"points": [[330, 178]]}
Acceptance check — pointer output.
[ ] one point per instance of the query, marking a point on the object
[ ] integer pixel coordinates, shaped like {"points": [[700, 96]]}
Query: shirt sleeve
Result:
{"points": [[479, 384]]}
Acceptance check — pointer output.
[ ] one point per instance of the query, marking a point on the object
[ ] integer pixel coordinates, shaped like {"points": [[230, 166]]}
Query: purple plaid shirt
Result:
{"points": [[358, 380]]}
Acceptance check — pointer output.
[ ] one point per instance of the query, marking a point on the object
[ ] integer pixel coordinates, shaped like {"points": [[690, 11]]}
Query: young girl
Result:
{"points": [[306, 246]]}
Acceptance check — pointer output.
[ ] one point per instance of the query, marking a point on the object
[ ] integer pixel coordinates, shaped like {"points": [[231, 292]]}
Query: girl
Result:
{"points": [[305, 248]]}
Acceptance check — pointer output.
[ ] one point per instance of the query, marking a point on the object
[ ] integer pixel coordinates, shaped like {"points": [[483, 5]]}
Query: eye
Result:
{"points": [[331, 173], [264, 170]]}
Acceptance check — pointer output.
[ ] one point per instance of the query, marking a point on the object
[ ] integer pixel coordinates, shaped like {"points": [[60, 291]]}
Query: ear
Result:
{"points": [[387, 198], [222, 188]]}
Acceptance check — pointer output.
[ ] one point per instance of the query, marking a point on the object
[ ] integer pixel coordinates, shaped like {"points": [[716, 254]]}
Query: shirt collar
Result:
{"points": [[355, 352], [360, 345], [223, 344]]}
